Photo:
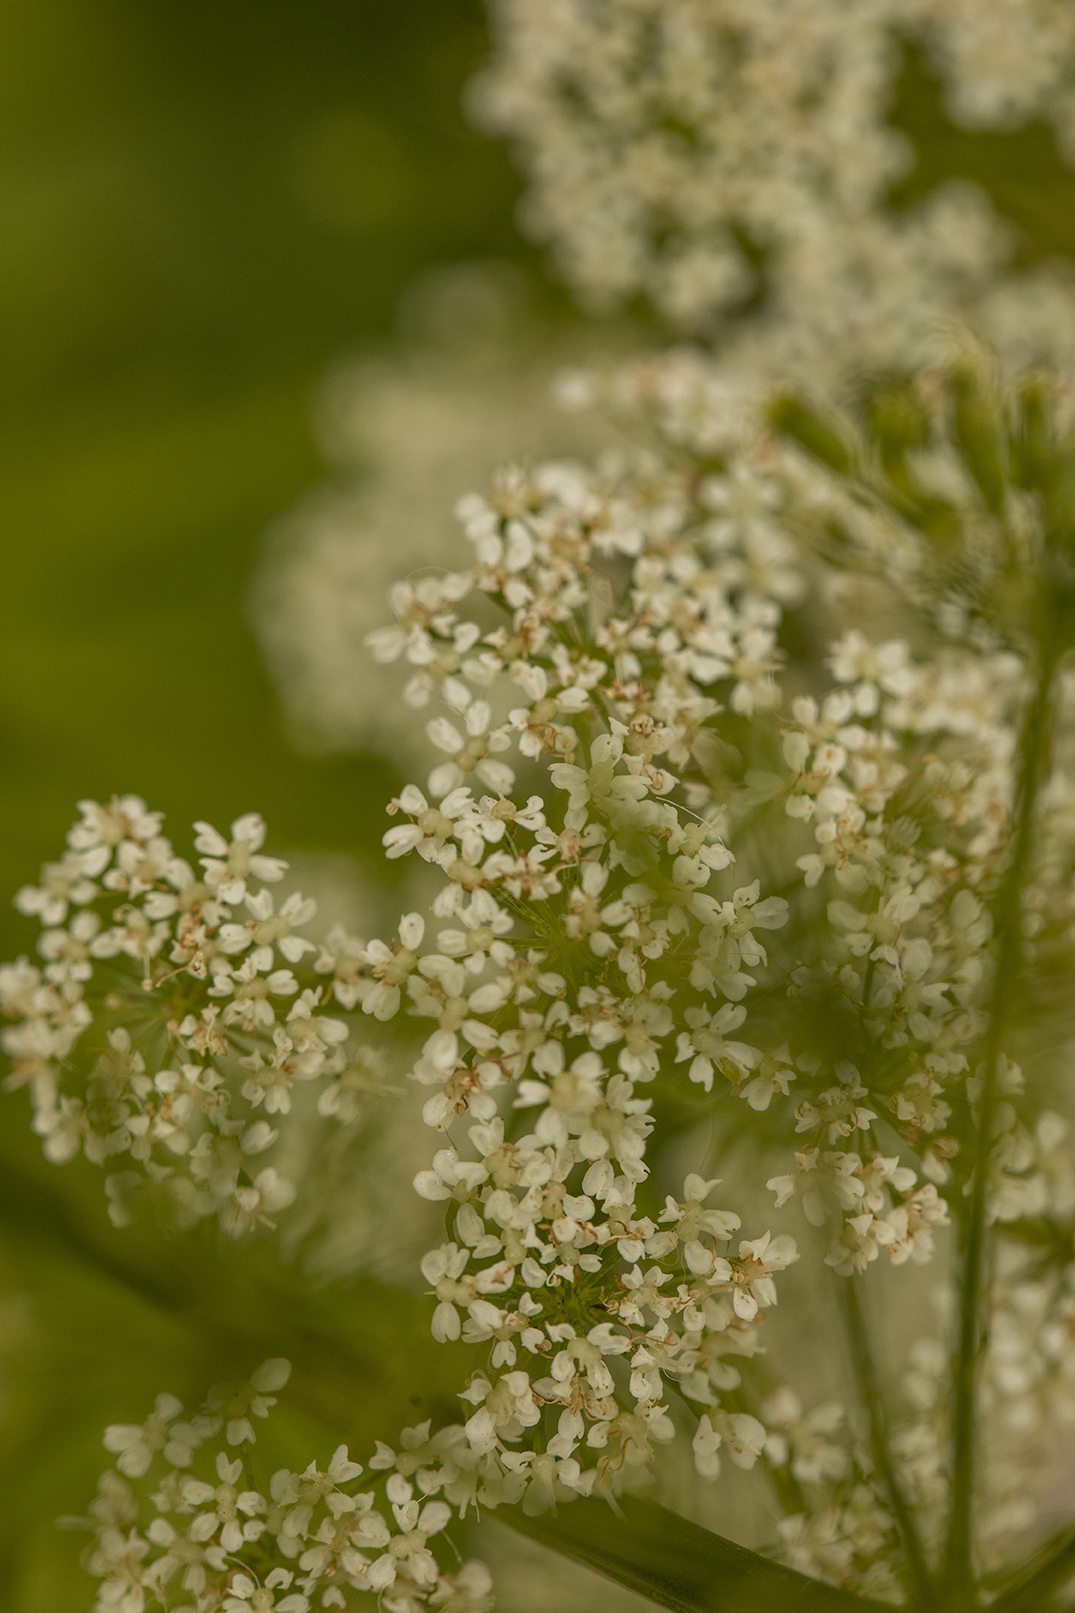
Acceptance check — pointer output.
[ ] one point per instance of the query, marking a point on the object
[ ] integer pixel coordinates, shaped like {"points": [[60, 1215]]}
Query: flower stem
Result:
{"points": [[918, 1578], [1007, 911]]}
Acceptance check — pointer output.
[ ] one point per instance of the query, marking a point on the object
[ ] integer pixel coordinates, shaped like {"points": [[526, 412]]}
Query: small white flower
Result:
{"points": [[137, 1444], [229, 864]]}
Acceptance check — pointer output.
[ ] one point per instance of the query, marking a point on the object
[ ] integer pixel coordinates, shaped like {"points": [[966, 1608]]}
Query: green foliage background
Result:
{"points": [[202, 204]]}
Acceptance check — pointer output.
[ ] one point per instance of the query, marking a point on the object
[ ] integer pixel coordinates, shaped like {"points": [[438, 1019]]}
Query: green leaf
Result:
{"points": [[1047, 1572], [821, 438], [676, 1563], [978, 430]]}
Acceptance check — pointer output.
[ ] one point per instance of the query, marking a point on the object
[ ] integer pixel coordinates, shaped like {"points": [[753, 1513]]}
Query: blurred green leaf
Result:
{"points": [[676, 1563]]}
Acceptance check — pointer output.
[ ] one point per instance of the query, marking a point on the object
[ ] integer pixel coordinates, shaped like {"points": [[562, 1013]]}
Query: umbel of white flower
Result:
{"points": [[730, 161], [793, 843]]}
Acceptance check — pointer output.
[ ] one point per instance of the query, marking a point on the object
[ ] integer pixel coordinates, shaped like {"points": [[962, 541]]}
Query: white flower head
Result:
{"points": [[230, 863]]}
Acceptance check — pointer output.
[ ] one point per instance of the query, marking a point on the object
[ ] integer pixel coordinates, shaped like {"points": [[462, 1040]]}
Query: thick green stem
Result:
{"points": [[959, 1575], [918, 1579]]}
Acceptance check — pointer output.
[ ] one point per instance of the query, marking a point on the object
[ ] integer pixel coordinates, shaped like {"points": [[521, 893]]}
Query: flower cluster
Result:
{"points": [[221, 1546], [747, 860], [731, 162], [406, 435], [575, 1016], [166, 1022], [1004, 65], [700, 841]]}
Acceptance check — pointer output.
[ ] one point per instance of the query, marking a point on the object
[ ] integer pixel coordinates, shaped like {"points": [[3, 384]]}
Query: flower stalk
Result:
{"points": [[1008, 925], [919, 1581]]}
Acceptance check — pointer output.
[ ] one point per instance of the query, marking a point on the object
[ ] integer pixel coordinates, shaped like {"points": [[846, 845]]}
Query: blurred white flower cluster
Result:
{"points": [[730, 160], [407, 432], [323, 1533], [730, 163]]}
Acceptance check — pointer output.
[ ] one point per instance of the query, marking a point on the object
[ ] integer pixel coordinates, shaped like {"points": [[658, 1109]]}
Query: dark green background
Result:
{"points": [[203, 203]]}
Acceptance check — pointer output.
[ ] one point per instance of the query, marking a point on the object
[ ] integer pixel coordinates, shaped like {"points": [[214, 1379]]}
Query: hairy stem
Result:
{"points": [[1033, 749], [918, 1579]]}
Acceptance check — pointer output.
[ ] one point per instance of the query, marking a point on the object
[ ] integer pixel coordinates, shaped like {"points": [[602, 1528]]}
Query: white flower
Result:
{"points": [[634, 204], [706, 1444], [708, 1048], [691, 1220], [471, 751], [62, 884], [391, 967], [753, 1277], [105, 827], [137, 1444], [266, 928], [229, 864], [467, 1591], [431, 826], [256, 1202], [244, 1596]]}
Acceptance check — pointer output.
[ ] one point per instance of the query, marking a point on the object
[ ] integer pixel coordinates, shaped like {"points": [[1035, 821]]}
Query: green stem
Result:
{"points": [[959, 1575], [867, 984], [919, 1583]]}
